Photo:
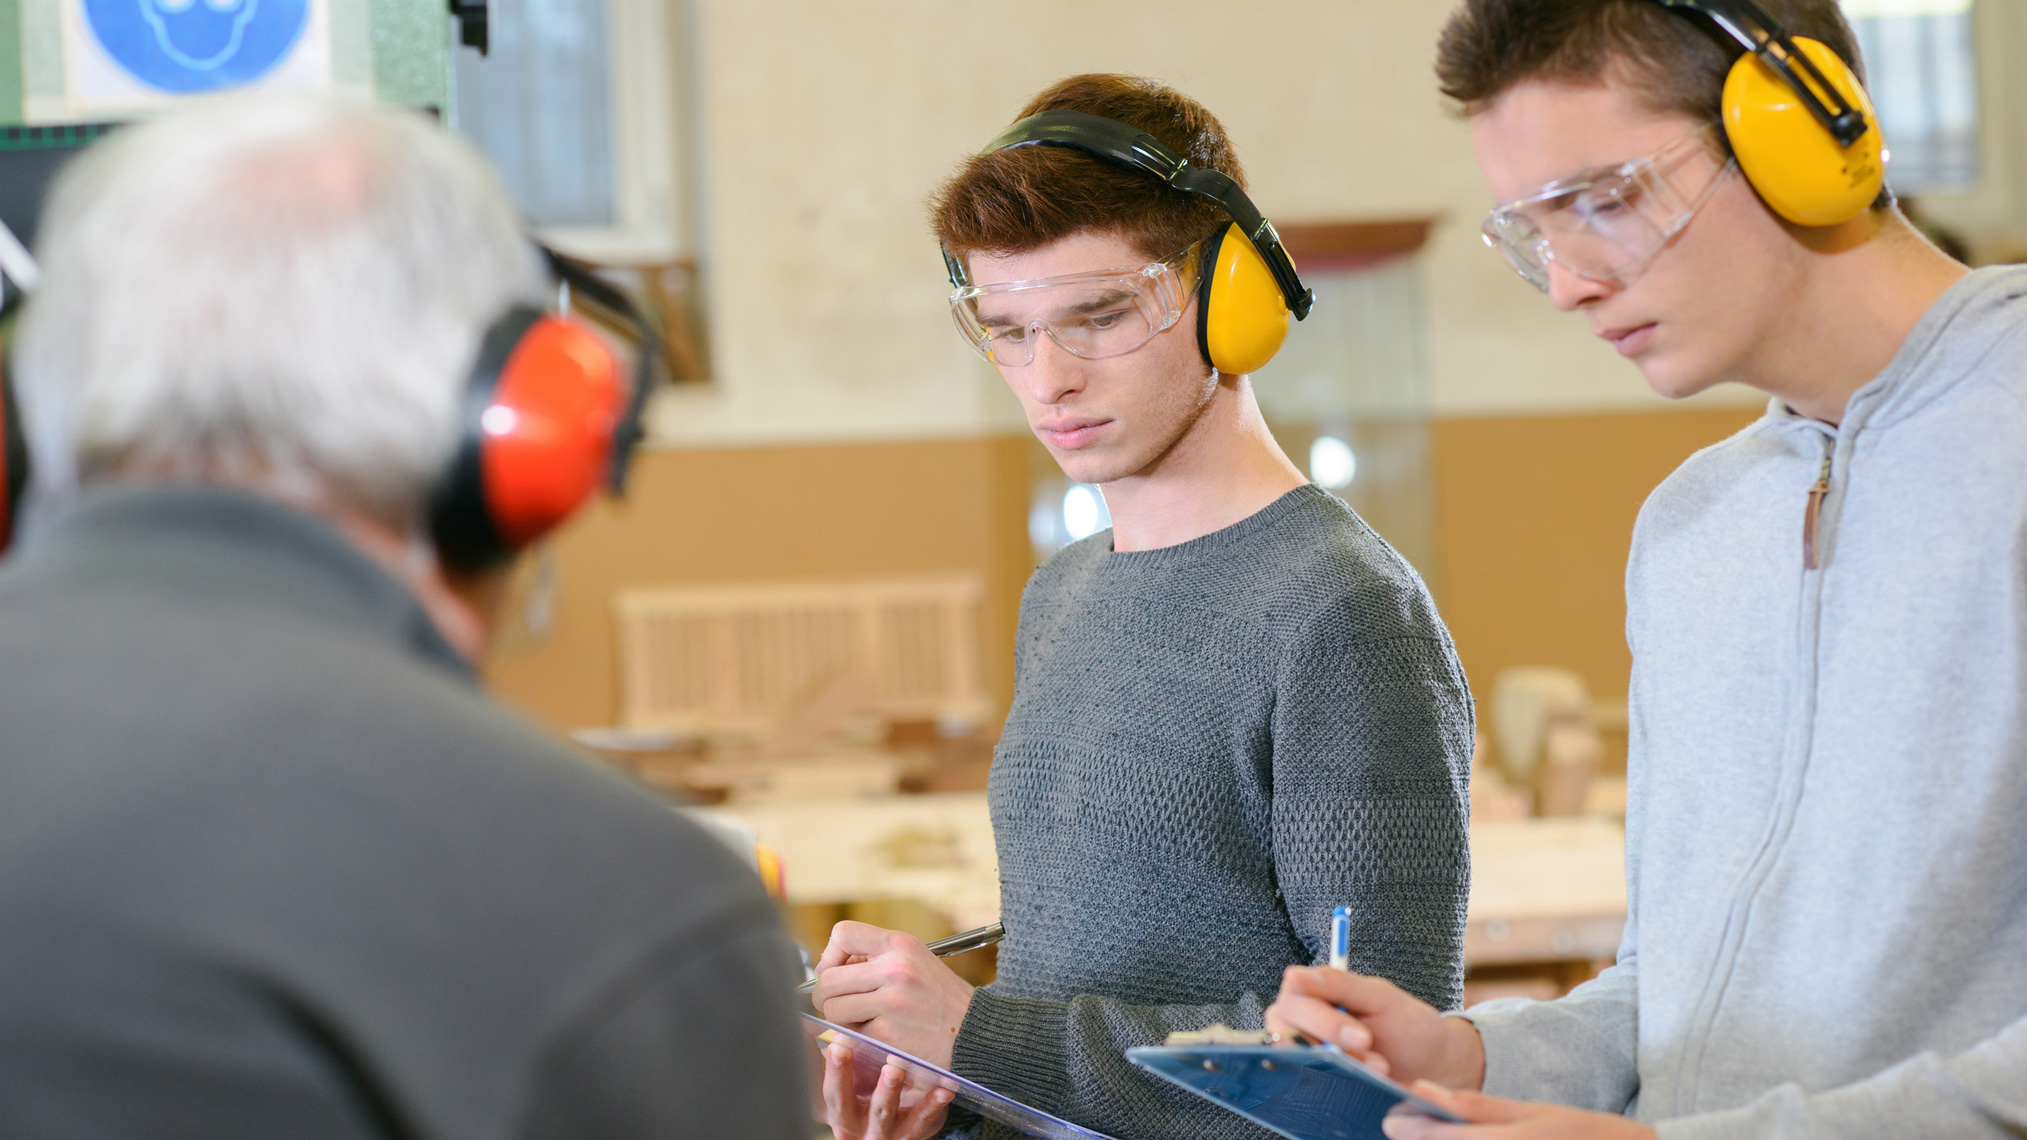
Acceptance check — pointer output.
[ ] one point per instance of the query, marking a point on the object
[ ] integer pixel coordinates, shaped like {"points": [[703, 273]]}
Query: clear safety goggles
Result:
{"points": [[1607, 225], [1093, 315]]}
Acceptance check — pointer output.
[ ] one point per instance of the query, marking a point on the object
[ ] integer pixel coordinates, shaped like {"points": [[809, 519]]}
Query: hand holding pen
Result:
{"points": [[950, 947], [1374, 1020], [889, 986]]}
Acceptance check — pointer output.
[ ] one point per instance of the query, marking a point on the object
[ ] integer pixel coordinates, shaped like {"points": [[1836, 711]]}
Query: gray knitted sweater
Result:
{"points": [[1211, 745]]}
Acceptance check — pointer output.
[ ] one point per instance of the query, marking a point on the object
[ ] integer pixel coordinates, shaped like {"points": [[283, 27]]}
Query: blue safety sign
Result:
{"points": [[197, 45]]}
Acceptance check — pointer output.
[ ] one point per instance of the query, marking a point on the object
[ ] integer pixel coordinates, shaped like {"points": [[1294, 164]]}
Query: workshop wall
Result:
{"points": [[1534, 517], [848, 432], [823, 127]]}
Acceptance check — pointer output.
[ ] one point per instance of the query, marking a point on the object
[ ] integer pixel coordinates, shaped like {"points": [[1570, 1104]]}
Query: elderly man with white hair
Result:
{"points": [[271, 865]]}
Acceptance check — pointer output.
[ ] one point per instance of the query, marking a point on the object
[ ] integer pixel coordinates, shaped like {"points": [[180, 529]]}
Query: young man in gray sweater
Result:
{"points": [[1828, 617], [1233, 711]]}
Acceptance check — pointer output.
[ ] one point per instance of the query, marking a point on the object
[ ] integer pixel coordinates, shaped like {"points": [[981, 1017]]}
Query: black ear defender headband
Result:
{"points": [[547, 421], [1797, 118], [1247, 286]]}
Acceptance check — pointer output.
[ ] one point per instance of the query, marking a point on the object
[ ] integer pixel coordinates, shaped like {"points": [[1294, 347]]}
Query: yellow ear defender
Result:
{"points": [[1796, 165], [1247, 286], [1240, 317], [1798, 119]]}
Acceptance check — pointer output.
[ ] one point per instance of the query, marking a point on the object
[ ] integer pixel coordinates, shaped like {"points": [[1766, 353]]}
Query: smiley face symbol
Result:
{"points": [[197, 45]]}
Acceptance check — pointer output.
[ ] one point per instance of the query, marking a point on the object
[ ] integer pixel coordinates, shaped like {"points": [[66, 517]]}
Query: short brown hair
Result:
{"points": [[1018, 200], [1675, 60]]}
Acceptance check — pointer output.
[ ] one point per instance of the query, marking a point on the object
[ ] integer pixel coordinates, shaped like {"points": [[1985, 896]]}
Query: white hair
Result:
{"points": [[279, 293]]}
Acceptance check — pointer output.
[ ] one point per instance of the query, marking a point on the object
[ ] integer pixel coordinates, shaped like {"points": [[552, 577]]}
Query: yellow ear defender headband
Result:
{"points": [[1797, 118], [1246, 282]]}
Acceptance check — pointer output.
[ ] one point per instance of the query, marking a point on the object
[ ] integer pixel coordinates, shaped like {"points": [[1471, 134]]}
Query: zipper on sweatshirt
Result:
{"points": [[1797, 752], [1814, 514]]}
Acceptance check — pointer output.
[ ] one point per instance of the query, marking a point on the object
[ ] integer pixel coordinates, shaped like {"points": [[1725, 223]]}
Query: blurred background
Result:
{"points": [[801, 616]]}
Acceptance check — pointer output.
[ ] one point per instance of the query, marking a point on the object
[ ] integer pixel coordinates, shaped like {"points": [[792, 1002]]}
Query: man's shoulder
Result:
{"points": [[1324, 557], [326, 822], [1719, 468], [1308, 559], [1342, 582], [247, 716]]}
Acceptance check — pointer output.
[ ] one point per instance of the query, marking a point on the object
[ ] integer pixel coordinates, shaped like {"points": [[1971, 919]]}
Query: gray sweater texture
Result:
{"points": [[1824, 850], [1211, 746]]}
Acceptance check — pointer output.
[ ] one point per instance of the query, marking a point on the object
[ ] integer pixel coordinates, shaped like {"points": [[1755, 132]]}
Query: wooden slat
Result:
{"points": [[736, 658]]}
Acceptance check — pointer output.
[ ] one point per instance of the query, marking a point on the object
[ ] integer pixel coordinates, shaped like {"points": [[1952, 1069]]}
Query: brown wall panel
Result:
{"points": [[1534, 515], [1534, 518], [776, 514]]}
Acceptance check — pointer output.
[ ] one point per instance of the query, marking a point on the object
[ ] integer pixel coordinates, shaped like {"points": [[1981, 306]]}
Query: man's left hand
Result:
{"points": [[888, 986], [1491, 1118]]}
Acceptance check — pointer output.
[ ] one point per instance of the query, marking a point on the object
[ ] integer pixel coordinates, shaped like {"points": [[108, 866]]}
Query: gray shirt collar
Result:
{"points": [[219, 544]]}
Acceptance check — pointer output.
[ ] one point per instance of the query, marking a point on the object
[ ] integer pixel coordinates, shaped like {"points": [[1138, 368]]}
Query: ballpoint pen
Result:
{"points": [[946, 947], [1340, 938]]}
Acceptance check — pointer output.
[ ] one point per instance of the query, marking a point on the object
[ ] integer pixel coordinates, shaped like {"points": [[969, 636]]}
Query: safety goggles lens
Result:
{"points": [[1607, 227], [1093, 316]]}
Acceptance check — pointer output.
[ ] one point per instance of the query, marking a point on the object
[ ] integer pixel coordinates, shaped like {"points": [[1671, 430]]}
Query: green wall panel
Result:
{"points": [[411, 52]]}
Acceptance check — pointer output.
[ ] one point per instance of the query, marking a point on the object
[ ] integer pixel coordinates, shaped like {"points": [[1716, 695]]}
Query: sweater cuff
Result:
{"points": [[1014, 1046], [1555, 1051], [1510, 1066]]}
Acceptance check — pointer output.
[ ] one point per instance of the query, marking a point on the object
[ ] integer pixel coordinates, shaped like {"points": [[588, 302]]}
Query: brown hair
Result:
{"points": [[1675, 61], [1014, 201]]}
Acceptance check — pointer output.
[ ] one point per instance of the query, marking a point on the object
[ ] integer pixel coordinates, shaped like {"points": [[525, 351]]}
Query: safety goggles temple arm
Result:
{"points": [[1759, 34], [605, 295]]}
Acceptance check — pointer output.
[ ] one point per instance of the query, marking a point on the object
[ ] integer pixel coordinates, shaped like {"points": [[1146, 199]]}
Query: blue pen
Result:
{"points": [[1340, 938]]}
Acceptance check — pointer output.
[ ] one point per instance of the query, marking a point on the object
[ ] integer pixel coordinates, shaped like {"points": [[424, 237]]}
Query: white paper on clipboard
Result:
{"points": [[869, 1056]]}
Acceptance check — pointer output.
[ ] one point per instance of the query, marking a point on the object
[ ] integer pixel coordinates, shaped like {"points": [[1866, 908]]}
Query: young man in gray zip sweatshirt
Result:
{"points": [[1828, 618]]}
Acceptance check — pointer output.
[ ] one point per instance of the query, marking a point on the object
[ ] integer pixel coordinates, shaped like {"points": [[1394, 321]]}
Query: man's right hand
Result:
{"points": [[1374, 1020]]}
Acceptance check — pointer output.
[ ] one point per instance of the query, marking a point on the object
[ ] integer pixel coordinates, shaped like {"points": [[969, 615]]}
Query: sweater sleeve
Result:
{"points": [[1371, 776], [1981, 1092], [1577, 1050]]}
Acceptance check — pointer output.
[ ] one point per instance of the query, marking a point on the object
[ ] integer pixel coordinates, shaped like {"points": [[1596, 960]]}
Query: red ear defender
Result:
{"points": [[544, 411]]}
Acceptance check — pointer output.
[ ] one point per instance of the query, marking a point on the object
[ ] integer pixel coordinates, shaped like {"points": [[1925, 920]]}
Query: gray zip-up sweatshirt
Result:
{"points": [[1827, 834]]}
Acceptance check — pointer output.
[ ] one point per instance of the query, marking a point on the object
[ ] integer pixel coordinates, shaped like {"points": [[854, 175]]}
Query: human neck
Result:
{"points": [[1861, 293], [416, 568], [1225, 468]]}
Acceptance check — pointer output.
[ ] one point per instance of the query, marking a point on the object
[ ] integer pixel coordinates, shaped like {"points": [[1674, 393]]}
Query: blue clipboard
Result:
{"points": [[869, 1056], [1302, 1092]]}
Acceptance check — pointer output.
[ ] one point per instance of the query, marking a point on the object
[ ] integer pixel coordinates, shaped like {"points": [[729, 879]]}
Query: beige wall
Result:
{"points": [[823, 126]]}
